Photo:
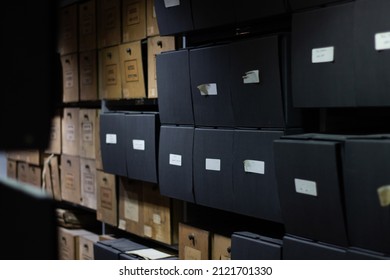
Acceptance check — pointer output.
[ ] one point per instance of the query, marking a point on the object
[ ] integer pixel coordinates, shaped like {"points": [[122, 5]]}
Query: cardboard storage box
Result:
{"points": [[133, 20], [70, 131], [221, 247], [70, 78], [110, 81], [11, 169], [107, 208], [98, 152], [109, 23], [68, 242], [194, 243], [87, 124], [35, 175], [52, 176], [112, 249], [68, 35], [87, 26], [88, 183], [174, 16], [22, 171], [55, 142], [33, 157], [70, 179], [151, 19], [86, 244], [88, 75]]}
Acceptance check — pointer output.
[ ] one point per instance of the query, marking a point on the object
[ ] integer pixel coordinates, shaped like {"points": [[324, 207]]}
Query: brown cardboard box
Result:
{"points": [[86, 246], [107, 210], [11, 169], [67, 41], [70, 78], [33, 157], [87, 119], [88, 183], [35, 175], [109, 73], [88, 76], [52, 176], [22, 171], [68, 242], [109, 20], [194, 243], [70, 179], [156, 45], [87, 26], [161, 215], [13, 155], [133, 20], [133, 83], [98, 152], [221, 247], [151, 19], [70, 131], [131, 211], [55, 136]]}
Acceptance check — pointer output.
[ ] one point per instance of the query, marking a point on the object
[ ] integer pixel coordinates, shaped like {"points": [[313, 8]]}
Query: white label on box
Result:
{"points": [[122, 224], [322, 55], [254, 166], [156, 219], [171, 3], [305, 187], [384, 196], [208, 89], [149, 254], [89, 183], [251, 77], [87, 132], [139, 145], [213, 164], [68, 79], [382, 41], [70, 131], [147, 231], [111, 139], [132, 207], [175, 159]]}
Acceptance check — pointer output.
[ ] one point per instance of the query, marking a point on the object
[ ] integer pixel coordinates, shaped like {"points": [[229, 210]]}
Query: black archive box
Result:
{"points": [[173, 16], [295, 248], [323, 57], [303, 4], [113, 143], [247, 10], [251, 246], [111, 249], [174, 88], [360, 254], [309, 175], [208, 14], [367, 192], [142, 132], [175, 162]]}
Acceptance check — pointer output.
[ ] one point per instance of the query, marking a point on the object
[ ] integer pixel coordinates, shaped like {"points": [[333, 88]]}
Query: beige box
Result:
{"points": [[13, 155], [221, 247], [98, 152], [156, 45], [87, 26], [151, 19], [107, 209], [55, 136], [133, 82], [52, 176], [88, 183], [70, 131], [35, 175], [87, 120], [70, 179], [11, 169], [70, 78], [67, 40], [22, 172], [88, 76], [109, 20], [86, 246], [68, 242], [131, 211], [33, 157], [133, 20], [194, 243], [161, 215], [109, 73]]}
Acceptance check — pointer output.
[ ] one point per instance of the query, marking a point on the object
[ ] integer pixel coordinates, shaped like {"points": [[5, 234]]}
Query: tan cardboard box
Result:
{"points": [[88, 76], [70, 179], [33, 157], [86, 246], [107, 207], [131, 211], [55, 136], [35, 175], [70, 131], [221, 247], [98, 152], [22, 171], [13, 155], [110, 83], [151, 19], [68, 242], [194, 243], [53, 171], [46, 173], [133, 20], [133, 82], [67, 41], [11, 169], [109, 20], [87, 124], [156, 45], [70, 78], [87, 26], [88, 183]]}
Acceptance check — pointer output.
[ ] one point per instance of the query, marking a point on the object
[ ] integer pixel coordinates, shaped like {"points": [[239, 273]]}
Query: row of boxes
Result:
{"points": [[24, 172], [102, 23], [241, 84], [76, 244], [334, 189]]}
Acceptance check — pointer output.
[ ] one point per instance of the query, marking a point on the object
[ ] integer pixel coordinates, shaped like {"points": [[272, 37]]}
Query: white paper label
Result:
{"points": [[132, 207], [87, 132], [175, 159], [254, 166], [111, 139], [156, 219], [322, 55], [251, 77], [305, 187], [138, 145], [149, 254], [171, 3], [70, 132], [208, 89], [122, 224], [213, 164], [147, 231], [382, 41], [384, 196]]}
